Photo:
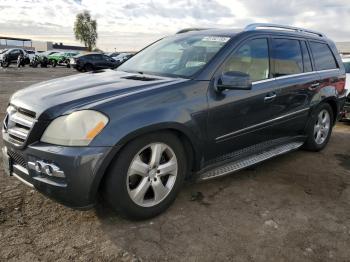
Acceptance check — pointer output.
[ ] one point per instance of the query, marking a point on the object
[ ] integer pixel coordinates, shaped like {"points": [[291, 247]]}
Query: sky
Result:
{"points": [[132, 24]]}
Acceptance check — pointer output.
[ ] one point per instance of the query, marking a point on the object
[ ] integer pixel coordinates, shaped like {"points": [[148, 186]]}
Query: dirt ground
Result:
{"points": [[293, 208]]}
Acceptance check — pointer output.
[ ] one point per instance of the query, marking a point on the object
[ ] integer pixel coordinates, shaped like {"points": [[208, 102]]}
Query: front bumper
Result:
{"points": [[83, 168]]}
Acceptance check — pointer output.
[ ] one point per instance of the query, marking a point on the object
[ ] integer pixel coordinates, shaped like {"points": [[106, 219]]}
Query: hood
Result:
{"points": [[55, 97]]}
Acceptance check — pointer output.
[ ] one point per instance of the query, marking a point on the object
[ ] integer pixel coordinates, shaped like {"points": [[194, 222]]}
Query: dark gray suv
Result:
{"points": [[199, 104]]}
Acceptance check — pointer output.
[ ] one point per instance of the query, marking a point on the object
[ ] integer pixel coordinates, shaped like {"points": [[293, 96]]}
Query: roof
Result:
{"points": [[257, 28], [15, 38]]}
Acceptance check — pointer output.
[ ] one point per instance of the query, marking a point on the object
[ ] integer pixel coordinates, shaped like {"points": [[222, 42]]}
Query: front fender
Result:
{"points": [[129, 128], [119, 132]]}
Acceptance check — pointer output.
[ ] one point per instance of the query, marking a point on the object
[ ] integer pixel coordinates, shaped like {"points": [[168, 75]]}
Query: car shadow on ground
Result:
{"points": [[284, 207]]}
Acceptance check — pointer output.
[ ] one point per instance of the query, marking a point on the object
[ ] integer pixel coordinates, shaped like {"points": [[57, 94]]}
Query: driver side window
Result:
{"points": [[251, 58]]}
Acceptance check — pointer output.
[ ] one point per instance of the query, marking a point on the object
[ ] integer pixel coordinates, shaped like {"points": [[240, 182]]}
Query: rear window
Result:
{"points": [[323, 56], [287, 57]]}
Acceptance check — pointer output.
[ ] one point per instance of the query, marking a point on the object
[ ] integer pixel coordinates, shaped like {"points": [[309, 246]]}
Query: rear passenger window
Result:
{"points": [[323, 56], [251, 58], [306, 57], [287, 57]]}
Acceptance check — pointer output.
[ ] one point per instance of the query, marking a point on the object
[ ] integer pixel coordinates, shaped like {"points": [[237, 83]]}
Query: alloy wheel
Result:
{"points": [[322, 126], [152, 174]]}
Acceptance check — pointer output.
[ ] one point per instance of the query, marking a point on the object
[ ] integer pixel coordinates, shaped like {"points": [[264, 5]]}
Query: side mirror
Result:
{"points": [[233, 80]]}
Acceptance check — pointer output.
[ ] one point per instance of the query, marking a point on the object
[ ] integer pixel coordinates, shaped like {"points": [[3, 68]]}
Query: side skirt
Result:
{"points": [[250, 160]]}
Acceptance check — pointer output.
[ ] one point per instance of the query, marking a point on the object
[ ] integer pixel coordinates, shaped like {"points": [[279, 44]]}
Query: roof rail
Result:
{"points": [[256, 26], [185, 30]]}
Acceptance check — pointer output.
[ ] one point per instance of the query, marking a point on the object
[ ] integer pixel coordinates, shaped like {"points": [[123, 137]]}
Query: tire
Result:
{"points": [[121, 183], [5, 64], [319, 129]]}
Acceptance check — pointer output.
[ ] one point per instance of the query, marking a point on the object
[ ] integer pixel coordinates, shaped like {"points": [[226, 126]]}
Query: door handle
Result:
{"points": [[270, 97], [315, 85]]}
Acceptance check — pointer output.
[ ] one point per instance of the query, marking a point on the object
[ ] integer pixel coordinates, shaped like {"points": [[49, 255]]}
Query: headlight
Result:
{"points": [[77, 129]]}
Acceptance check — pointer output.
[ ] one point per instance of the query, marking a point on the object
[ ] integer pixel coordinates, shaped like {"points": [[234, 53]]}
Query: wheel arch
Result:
{"points": [[191, 146], [334, 105]]}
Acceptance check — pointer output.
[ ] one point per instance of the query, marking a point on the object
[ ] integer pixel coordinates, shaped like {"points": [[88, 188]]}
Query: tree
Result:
{"points": [[85, 30]]}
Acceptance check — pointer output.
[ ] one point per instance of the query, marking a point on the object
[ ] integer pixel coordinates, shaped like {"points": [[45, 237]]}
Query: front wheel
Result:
{"points": [[146, 176], [320, 128]]}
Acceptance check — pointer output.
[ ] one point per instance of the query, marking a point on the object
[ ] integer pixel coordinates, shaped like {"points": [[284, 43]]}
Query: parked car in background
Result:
{"points": [[121, 58], [47, 53], [9, 56], [31, 54], [92, 61], [197, 105], [346, 111], [113, 54], [61, 58]]}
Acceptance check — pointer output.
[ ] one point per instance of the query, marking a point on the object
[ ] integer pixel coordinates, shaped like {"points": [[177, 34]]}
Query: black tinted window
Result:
{"points": [[287, 57], [107, 58], [15, 52], [306, 57], [251, 58], [323, 56], [94, 57]]}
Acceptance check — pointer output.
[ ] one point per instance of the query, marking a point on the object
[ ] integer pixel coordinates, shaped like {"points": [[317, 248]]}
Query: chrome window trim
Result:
{"points": [[294, 75], [261, 124]]}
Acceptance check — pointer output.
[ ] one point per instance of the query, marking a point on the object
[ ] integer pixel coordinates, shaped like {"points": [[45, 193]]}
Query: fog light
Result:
{"points": [[42, 167]]}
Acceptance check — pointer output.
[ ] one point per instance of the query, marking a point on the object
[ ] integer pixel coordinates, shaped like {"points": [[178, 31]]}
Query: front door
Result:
{"points": [[241, 118]]}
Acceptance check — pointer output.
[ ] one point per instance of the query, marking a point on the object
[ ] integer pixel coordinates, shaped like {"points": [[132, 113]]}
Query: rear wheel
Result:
{"points": [[146, 176], [320, 128]]}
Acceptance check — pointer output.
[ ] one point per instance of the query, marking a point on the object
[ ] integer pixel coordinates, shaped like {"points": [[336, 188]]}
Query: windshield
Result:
{"points": [[176, 56], [347, 67]]}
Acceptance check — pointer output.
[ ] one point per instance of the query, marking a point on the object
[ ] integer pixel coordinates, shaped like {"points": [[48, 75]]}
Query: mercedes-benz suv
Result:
{"points": [[199, 105]]}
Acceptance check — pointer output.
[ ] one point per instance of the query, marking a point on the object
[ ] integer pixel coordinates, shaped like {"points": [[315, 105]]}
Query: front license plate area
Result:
{"points": [[7, 162]]}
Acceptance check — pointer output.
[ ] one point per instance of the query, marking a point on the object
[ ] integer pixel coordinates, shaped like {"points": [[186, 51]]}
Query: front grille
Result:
{"points": [[17, 158], [18, 123]]}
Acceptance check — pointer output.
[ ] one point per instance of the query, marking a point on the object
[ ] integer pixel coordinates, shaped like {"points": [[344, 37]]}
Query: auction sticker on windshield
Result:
{"points": [[216, 39]]}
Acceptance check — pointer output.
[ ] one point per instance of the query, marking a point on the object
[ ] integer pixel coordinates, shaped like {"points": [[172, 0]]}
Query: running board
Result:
{"points": [[249, 161]]}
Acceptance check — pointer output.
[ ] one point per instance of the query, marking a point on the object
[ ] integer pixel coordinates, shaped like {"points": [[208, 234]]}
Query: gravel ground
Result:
{"points": [[293, 208]]}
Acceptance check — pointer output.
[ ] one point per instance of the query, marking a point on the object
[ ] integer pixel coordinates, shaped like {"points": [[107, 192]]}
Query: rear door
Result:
{"points": [[296, 82]]}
